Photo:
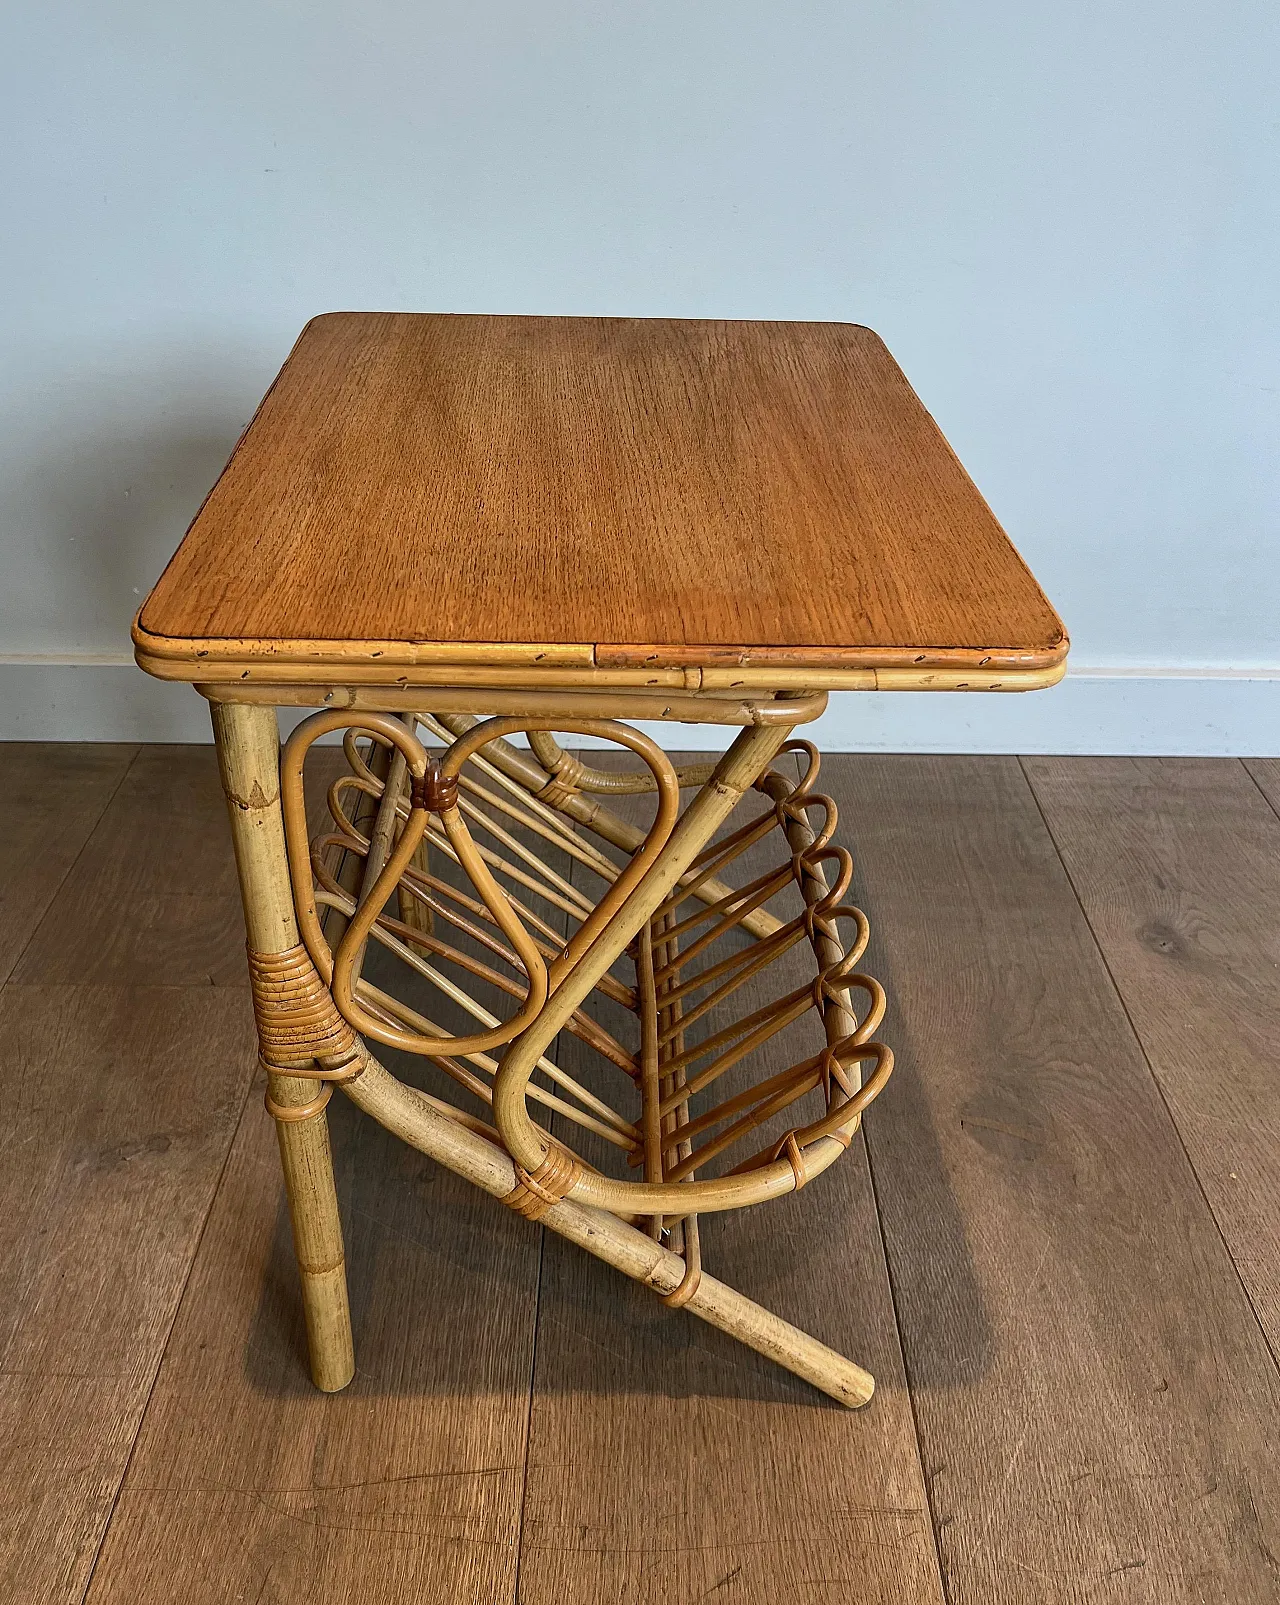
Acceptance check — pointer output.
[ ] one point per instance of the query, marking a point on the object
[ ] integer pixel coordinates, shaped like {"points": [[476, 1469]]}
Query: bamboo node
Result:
{"points": [[298, 1021], [535, 1192]]}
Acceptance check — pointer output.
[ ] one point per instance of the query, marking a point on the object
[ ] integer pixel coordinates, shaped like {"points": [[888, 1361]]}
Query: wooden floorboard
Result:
{"points": [[119, 1104], [154, 899], [247, 1484], [52, 794], [1266, 776], [1177, 865], [120, 1098], [669, 1463], [1094, 1398], [1096, 1403]]}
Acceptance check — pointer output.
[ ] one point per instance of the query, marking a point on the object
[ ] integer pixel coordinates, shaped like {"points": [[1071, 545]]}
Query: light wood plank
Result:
{"points": [[526, 482], [52, 794], [119, 1108], [1097, 1407], [667, 1462], [249, 1484], [153, 899], [1177, 864]]}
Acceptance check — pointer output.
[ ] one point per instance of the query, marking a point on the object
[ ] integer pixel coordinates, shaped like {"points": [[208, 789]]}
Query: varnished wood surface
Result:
{"points": [[613, 493], [1094, 1399], [1175, 863], [1097, 1406]]}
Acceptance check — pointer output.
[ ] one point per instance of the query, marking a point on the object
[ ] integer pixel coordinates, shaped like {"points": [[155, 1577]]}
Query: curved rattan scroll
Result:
{"points": [[530, 908]]}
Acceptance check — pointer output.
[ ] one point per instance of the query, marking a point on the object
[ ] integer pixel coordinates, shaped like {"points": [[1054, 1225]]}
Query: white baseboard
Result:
{"points": [[1145, 711]]}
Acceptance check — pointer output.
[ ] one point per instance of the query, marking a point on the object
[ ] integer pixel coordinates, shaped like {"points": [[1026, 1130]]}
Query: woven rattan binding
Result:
{"points": [[534, 1194], [436, 792], [300, 1032]]}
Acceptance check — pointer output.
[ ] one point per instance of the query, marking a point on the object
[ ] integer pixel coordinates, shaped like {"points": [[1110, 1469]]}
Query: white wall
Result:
{"points": [[1063, 219]]}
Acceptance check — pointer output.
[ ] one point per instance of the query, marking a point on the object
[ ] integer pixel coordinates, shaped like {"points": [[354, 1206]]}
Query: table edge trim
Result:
{"points": [[215, 660]]}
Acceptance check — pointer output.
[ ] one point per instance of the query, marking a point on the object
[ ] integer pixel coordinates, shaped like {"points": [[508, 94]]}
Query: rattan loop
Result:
{"points": [[790, 1150], [814, 924], [680, 1296], [824, 1070], [291, 1112], [679, 1117]]}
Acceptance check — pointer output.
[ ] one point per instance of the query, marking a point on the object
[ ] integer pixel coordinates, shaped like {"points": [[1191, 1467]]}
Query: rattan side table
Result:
{"points": [[462, 538]]}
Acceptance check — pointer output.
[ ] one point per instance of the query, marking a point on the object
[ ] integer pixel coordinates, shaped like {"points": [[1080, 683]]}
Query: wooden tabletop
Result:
{"points": [[615, 494]]}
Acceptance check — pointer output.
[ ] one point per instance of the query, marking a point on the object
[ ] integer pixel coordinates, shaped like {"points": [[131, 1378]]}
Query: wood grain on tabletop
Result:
{"points": [[719, 489]]}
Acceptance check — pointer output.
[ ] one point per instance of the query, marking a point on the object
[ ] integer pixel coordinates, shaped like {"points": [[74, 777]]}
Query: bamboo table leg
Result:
{"points": [[249, 761]]}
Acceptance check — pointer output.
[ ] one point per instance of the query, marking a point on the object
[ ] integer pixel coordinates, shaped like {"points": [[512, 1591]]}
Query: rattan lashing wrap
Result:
{"points": [[300, 1032], [535, 1192]]}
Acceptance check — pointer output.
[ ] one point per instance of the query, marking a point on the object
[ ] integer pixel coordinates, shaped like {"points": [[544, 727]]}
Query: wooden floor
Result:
{"points": [[1058, 1250]]}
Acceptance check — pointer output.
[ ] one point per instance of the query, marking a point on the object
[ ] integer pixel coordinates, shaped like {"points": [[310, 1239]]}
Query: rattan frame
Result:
{"points": [[313, 909]]}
